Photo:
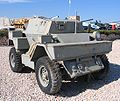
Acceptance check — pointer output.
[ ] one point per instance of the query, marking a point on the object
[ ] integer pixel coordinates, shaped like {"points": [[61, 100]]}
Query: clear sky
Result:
{"points": [[104, 10]]}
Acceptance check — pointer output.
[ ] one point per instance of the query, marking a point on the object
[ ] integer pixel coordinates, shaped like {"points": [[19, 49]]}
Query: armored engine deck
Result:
{"points": [[65, 51]]}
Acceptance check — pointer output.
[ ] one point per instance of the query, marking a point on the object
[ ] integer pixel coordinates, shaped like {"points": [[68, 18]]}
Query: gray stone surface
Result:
{"points": [[23, 86]]}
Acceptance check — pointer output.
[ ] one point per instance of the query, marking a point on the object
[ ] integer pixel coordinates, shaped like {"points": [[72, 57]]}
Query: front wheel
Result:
{"points": [[15, 60], [99, 75], [48, 75]]}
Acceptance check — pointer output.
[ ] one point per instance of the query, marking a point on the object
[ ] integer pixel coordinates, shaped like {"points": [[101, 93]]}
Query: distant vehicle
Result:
{"points": [[108, 26], [85, 27], [20, 23], [93, 26], [118, 26]]}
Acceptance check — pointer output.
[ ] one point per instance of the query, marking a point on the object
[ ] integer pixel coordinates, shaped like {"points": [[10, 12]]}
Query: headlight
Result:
{"points": [[96, 35]]}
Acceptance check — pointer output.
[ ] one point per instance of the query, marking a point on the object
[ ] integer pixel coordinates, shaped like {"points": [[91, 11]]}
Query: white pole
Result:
{"points": [[75, 22]]}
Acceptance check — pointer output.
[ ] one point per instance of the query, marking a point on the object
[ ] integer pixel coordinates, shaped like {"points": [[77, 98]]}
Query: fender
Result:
{"points": [[39, 50]]}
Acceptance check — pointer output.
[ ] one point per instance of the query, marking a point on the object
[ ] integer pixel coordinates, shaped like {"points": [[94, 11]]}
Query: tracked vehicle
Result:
{"points": [[50, 46]]}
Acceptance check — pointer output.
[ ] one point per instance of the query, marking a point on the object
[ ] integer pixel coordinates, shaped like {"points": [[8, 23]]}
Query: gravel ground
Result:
{"points": [[23, 86], [3, 41]]}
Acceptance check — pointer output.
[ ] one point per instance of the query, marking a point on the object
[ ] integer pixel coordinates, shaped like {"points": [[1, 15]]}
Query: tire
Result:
{"points": [[99, 75], [15, 61], [10, 43], [48, 75]]}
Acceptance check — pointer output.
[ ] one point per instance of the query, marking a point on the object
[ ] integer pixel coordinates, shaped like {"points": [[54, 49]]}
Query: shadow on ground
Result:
{"points": [[27, 70], [74, 88]]}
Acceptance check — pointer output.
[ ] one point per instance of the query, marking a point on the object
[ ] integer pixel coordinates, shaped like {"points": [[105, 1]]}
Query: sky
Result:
{"points": [[103, 10]]}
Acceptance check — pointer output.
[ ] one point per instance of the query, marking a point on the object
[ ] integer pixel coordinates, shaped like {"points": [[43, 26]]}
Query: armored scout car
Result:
{"points": [[51, 46]]}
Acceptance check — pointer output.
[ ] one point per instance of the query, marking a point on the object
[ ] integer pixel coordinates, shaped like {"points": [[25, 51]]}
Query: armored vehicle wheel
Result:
{"points": [[15, 61], [48, 75], [99, 75]]}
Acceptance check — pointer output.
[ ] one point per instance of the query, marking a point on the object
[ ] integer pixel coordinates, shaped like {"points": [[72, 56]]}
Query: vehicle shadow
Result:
{"points": [[73, 88], [27, 70]]}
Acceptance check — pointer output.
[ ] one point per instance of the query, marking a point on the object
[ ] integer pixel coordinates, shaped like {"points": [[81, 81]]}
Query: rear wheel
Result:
{"points": [[99, 75], [15, 60], [48, 75]]}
